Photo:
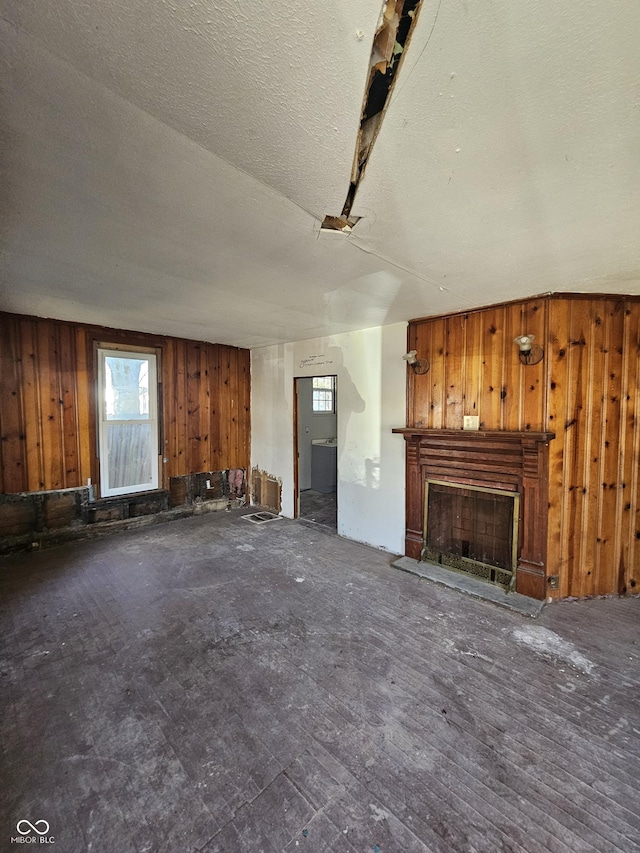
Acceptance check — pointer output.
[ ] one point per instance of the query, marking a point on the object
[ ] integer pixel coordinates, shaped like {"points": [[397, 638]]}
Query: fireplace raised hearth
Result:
{"points": [[489, 515]]}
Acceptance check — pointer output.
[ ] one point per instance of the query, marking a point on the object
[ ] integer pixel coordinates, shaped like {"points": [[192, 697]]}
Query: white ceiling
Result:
{"points": [[166, 165]]}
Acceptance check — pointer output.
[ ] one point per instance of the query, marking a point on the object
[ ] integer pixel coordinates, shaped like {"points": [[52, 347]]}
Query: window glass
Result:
{"points": [[324, 394], [128, 422]]}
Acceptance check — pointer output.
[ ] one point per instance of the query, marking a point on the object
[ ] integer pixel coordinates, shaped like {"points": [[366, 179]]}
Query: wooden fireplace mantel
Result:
{"points": [[514, 461]]}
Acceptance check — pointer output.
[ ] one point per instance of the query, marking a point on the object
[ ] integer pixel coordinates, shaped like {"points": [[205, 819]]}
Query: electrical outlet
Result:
{"points": [[471, 422], [554, 581]]}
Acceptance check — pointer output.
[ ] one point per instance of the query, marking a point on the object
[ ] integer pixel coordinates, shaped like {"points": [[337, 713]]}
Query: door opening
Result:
{"points": [[316, 451]]}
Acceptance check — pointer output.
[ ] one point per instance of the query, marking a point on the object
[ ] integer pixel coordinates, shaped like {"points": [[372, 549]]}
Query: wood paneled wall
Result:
{"points": [[593, 363], [586, 390], [48, 403], [475, 370]]}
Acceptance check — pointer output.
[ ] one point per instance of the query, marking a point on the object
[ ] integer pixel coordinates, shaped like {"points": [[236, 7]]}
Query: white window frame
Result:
{"points": [[104, 352], [332, 391]]}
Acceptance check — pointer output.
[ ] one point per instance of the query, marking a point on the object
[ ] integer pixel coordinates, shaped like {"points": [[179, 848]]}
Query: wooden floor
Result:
{"points": [[212, 685], [319, 507]]}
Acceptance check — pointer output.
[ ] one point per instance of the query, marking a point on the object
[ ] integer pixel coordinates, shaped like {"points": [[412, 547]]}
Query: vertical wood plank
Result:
{"points": [[51, 404], [70, 434], [413, 330], [454, 371], [182, 456], [204, 463], [85, 401], [12, 435], [510, 390], [433, 412], [193, 407], [31, 406], [493, 353], [224, 406], [559, 390], [625, 475], [170, 407], [231, 392], [473, 364], [532, 377], [419, 387], [629, 567], [590, 458], [215, 435], [610, 521], [246, 409], [576, 429]]}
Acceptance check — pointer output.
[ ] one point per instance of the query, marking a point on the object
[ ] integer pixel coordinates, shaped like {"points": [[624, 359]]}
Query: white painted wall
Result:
{"points": [[371, 400]]}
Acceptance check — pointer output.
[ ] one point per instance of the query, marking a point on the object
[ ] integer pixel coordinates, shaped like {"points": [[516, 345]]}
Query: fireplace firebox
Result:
{"points": [[472, 529]]}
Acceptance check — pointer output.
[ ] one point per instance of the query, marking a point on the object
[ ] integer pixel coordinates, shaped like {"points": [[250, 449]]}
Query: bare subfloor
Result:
{"points": [[319, 507], [213, 685]]}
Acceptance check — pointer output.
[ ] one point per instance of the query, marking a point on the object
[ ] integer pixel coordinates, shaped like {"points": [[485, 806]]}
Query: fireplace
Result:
{"points": [[511, 470], [472, 529]]}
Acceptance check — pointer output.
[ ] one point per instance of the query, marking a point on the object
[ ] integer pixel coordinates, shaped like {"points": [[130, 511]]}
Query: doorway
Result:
{"points": [[316, 452]]}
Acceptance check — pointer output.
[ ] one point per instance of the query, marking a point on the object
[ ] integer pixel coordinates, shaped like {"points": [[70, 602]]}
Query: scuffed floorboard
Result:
{"points": [[211, 685]]}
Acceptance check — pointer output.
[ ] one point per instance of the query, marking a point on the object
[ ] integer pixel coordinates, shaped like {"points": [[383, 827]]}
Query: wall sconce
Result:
{"points": [[528, 352], [418, 365]]}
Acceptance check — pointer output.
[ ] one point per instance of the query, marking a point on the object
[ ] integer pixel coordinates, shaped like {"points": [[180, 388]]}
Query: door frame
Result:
{"points": [[296, 443]]}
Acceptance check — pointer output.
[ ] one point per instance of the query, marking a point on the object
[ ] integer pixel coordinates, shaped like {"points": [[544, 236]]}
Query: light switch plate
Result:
{"points": [[471, 422]]}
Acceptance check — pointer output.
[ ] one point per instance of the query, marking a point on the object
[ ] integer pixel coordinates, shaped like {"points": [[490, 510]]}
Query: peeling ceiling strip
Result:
{"points": [[397, 23]]}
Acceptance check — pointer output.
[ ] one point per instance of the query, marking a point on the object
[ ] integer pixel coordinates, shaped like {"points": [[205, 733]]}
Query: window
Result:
{"points": [[324, 394], [128, 422]]}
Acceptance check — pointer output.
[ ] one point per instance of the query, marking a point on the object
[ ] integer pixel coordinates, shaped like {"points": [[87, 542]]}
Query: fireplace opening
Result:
{"points": [[472, 529]]}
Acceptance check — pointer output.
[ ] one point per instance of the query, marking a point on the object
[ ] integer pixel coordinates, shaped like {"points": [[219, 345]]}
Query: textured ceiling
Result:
{"points": [[166, 165]]}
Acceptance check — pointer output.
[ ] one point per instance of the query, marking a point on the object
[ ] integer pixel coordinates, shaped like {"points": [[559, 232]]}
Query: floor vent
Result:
{"points": [[261, 517]]}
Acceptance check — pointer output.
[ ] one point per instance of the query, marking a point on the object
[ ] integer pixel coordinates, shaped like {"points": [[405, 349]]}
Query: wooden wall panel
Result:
{"points": [[611, 519], [455, 352], [203, 405], [508, 390], [493, 333], [586, 390], [216, 430], [629, 562], [85, 410], [532, 378], [559, 391], [48, 373], [473, 364], [244, 406], [48, 405], [224, 402], [426, 400], [475, 370], [69, 423], [593, 489], [234, 389], [180, 459], [13, 451], [193, 408], [32, 423]]}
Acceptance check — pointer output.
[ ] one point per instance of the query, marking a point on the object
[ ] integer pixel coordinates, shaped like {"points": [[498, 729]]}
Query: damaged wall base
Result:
{"points": [[33, 520], [266, 490]]}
